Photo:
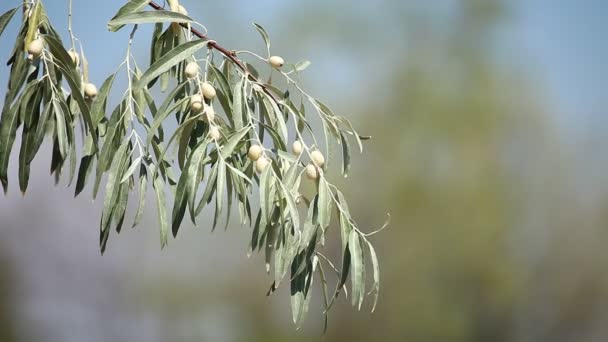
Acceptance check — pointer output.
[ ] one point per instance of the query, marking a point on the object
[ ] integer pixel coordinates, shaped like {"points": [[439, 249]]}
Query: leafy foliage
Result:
{"points": [[204, 160]]}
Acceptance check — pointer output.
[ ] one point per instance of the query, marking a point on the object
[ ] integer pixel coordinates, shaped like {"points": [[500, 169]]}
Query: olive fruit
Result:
{"points": [[311, 172], [297, 147], [34, 49], [261, 164], [90, 90], [208, 91], [74, 56], [209, 114], [214, 132], [191, 70], [317, 158], [196, 103], [255, 152], [276, 62]]}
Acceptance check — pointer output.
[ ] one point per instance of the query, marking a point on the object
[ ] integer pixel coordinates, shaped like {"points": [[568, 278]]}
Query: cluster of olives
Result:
{"points": [[317, 160], [34, 50]]}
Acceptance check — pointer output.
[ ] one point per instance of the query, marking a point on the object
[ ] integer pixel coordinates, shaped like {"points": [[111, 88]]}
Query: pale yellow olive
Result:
{"points": [[191, 70], [317, 158], [276, 62], [90, 90], [208, 91], [196, 103], [255, 152], [35, 47], [214, 133], [209, 114], [74, 56], [311, 172], [297, 148], [261, 164]]}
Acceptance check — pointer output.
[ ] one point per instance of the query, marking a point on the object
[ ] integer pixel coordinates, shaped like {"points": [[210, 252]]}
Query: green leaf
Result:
{"points": [[264, 35], [33, 23], [159, 189], [6, 18], [64, 62], [324, 204], [169, 60], [130, 7], [131, 170], [219, 192], [164, 110], [147, 17], [233, 141], [143, 187], [358, 283], [99, 102], [179, 202], [376, 267], [345, 155], [8, 129], [113, 184], [266, 203], [195, 175], [238, 105], [291, 204]]}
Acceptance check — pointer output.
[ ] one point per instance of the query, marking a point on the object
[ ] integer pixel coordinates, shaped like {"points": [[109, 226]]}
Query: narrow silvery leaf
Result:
{"points": [[195, 171], [324, 203], [113, 184], [6, 18], [147, 17], [233, 141], [159, 189], [264, 189], [143, 188], [169, 60], [131, 170], [264, 35], [357, 281], [238, 105], [130, 7], [64, 62], [326, 299], [99, 102], [376, 268], [345, 155], [179, 203], [291, 204], [33, 22]]}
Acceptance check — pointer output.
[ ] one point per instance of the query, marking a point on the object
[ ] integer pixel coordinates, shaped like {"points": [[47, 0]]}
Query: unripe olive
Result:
{"points": [[209, 114], [75, 57], [255, 152], [90, 90], [196, 103], [35, 47], [191, 70], [261, 164], [317, 158], [208, 91], [311, 172], [297, 147], [214, 133], [182, 10], [276, 62]]}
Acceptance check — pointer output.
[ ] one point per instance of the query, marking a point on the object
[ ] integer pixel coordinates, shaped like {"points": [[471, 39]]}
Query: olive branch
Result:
{"points": [[238, 142]]}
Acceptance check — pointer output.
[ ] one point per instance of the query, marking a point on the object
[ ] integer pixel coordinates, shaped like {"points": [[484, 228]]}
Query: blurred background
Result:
{"points": [[489, 143]]}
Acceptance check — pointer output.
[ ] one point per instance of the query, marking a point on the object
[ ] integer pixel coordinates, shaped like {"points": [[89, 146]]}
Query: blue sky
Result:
{"points": [[561, 43]]}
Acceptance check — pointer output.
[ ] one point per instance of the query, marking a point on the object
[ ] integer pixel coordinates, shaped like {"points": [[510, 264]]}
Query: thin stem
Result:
{"points": [[72, 39], [230, 54]]}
